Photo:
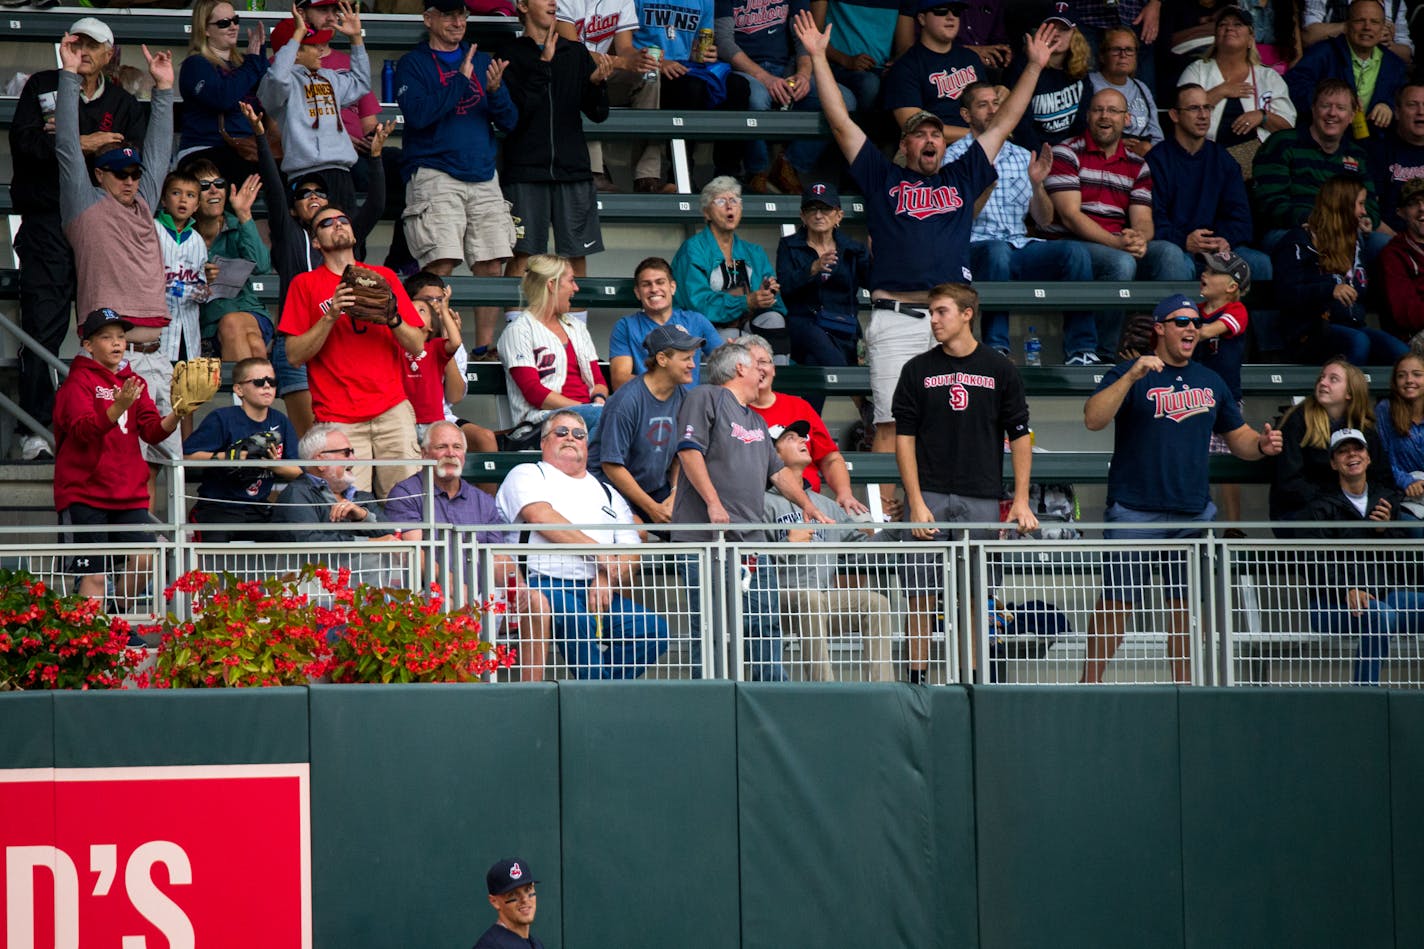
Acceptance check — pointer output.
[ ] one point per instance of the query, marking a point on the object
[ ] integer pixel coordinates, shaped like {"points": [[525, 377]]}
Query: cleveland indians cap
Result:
{"points": [[508, 874], [1345, 436]]}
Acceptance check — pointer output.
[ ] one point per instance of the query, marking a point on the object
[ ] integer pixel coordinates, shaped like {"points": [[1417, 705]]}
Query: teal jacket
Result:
{"points": [[699, 267], [238, 241]]}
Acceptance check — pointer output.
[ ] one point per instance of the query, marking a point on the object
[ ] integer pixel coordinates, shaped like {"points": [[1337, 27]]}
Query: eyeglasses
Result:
{"points": [[431, 301], [226, 22], [127, 174], [727, 201], [819, 209], [1182, 322], [520, 897], [343, 452], [205, 183], [563, 431], [305, 193], [1193, 108], [1106, 110], [1120, 50], [326, 222], [261, 382]]}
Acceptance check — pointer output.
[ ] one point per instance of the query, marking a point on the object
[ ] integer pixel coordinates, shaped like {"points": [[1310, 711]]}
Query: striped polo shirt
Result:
{"points": [[1108, 184]]}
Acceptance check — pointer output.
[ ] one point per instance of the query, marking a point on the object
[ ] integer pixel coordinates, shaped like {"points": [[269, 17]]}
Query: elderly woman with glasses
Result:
{"points": [[1117, 64], [214, 79], [1249, 101], [729, 280]]}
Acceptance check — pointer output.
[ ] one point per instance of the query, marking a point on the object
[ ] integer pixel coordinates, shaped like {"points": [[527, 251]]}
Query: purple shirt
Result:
{"points": [[406, 502]]}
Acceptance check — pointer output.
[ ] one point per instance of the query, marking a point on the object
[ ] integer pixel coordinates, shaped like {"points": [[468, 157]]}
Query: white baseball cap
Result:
{"points": [[94, 28]]}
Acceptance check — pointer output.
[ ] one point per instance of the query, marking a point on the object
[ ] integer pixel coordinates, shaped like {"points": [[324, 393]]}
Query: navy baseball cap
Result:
{"points": [[125, 156], [820, 192], [1239, 12], [100, 318], [1165, 309], [508, 874], [671, 336], [308, 178], [446, 6], [1061, 14], [958, 6]]}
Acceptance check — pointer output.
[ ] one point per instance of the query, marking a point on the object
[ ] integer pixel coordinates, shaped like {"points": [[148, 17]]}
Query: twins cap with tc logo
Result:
{"points": [[1061, 14], [508, 874], [820, 192], [671, 336], [125, 156], [1177, 301]]}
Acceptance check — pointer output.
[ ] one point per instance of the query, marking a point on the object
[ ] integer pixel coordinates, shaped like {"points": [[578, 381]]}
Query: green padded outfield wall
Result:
{"points": [[1286, 818], [1406, 771], [415, 791], [1078, 812], [649, 811]]}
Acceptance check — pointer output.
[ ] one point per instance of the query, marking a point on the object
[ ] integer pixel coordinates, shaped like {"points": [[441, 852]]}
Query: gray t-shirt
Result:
{"points": [[740, 456], [811, 571], [639, 432]]}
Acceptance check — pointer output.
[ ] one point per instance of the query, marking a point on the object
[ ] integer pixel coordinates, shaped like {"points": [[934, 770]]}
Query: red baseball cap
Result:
{"points": [[282, 35]]}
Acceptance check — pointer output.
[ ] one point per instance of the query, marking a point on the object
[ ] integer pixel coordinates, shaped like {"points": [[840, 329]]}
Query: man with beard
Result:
{"points": [[919, 216], [327, 494], [355, 369], [1166, 407]]}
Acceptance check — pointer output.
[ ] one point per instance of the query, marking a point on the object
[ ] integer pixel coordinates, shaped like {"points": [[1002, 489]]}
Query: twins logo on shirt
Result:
{"points": [[921, 201], [1180, 406], [658, 434], [747, 436], [545, 362], [950, 83]]}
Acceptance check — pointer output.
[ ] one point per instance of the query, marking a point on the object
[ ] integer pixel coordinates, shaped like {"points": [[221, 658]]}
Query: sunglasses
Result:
{"points": [[563, 431], [945, 11], [261, 382], [305, 193], [127, 174], [205, 183], [1182, 322], [324, 223], [226, 22], [343, 452]]}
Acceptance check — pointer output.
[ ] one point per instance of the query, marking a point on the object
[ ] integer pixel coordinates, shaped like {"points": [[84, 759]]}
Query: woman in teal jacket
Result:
{"points": [[240, 326], [730, 281]]}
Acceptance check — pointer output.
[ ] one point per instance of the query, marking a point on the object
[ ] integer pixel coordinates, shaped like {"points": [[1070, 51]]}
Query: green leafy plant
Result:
{"points": [[49, 641], [274, 632]]}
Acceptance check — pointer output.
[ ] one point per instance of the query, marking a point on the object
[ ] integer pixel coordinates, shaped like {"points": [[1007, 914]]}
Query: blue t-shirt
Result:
{"points": [[222, 429], [864, 26], [762, 29], [638, 432], [924, 79], [919, 226], [1162, 438], [672, 25], [629, 333]]}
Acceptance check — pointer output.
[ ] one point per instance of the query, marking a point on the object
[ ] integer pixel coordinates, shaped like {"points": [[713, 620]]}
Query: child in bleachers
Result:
{"points": [[185, 289], [1221, 346], [435, 380]]}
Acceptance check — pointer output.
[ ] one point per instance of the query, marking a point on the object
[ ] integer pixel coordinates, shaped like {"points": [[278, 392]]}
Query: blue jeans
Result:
{"points": [[812, 345], [1037, 260], [802, 154], [1398, 612], [1362, 345], [863, 86], [620, 644], [1190, 266], [761, 617], [1161, 262]]}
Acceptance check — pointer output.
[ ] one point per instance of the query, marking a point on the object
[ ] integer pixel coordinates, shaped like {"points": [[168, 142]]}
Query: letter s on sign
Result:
{"points": [[153, 903]]}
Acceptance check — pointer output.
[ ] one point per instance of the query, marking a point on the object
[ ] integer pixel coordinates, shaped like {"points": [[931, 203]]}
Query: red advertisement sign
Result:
{"points": [[156, 858]]}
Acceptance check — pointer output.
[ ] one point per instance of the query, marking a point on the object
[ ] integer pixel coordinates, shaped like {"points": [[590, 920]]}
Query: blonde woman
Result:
{"points": [[214, 79], [1248, 101], [549, 359], [1060, 97]]}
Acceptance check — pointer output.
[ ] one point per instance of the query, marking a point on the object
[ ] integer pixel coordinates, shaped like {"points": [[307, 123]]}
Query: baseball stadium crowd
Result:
{"points": [[1272, 143]]}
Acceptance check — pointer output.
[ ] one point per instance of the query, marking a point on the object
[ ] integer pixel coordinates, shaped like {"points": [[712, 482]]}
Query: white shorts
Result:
{"points": [[157, 373], [891, 340]]}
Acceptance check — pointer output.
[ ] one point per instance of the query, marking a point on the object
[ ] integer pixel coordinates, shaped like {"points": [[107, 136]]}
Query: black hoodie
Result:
{"points": [[548, 144]]}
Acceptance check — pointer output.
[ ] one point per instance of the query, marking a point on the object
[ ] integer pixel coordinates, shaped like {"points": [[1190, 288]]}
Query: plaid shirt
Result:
{"points": [[1103, 14], [1002, 218]]}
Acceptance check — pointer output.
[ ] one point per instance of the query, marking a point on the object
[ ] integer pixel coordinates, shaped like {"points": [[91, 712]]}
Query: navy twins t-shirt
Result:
{"points": [[924, 79], [1162, 437], [919, 225]]}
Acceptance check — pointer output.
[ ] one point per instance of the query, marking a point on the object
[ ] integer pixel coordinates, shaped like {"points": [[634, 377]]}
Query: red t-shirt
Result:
{"points": [[359, 373], [792, 408], [425, 381]]}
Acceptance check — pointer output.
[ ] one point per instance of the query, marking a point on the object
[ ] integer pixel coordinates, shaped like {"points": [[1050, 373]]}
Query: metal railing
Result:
{"points": [[1209, 610]]}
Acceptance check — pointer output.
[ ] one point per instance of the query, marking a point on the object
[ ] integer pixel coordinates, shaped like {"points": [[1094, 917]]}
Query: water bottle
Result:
{"points": [[1033, 349], [256, 6], [176, 291], [388, 81]]}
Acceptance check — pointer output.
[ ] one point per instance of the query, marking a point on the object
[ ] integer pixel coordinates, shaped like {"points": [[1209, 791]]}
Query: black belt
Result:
{"points": [[918, 310], [152, 347]]}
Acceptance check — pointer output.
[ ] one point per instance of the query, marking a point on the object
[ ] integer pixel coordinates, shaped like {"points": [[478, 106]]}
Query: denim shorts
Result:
{"points": [[1125, 571]]}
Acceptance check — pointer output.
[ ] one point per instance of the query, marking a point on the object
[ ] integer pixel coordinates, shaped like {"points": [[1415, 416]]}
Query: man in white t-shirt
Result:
{"points": [[606, 27], [602, 633]]}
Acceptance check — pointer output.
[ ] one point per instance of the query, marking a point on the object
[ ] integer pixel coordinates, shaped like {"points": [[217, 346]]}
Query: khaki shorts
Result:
{"points": [[891, 340], [449, 219]]}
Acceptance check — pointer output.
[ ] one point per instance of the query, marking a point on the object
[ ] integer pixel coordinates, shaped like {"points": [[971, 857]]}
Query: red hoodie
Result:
{"points": [[97, 462]]}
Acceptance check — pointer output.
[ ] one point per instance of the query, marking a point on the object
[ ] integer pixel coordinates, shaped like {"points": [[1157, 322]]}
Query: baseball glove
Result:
{"points": [[1138, 337], [375, 303], [195, 382]]}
